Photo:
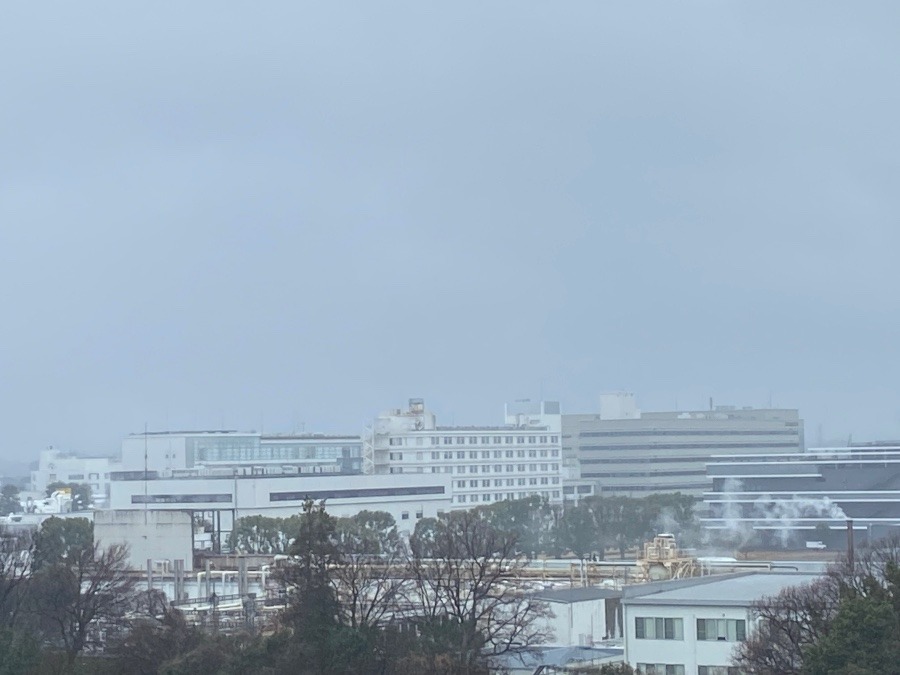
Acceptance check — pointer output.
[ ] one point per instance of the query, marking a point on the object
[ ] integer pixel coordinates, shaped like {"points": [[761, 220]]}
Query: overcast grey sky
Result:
{"points": [[283, 213]]}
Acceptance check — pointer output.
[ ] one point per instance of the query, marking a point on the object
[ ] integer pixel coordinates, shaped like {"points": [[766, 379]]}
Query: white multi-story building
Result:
{"points": [[56, 466], [692, 626], [486, 464]]}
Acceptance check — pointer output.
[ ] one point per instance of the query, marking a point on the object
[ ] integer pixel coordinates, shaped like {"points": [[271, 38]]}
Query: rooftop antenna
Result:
{"points": [[146, 462]]}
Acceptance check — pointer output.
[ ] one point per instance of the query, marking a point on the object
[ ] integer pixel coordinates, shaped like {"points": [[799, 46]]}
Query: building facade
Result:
{"points": [[625, 451], [408, 498], [583, 617], [692, 626], [795, 497], [485, 464], [56, 466], [228, 452], [152, 535]]}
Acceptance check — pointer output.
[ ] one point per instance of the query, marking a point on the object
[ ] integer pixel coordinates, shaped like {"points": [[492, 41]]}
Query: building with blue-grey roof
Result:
{"points": [[692, 626]]}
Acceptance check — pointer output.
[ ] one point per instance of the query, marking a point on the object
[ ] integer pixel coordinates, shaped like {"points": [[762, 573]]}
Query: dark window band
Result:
{"points": [[641, 474], [355, 494], [179, 499], [689, 432], [684, 446]]}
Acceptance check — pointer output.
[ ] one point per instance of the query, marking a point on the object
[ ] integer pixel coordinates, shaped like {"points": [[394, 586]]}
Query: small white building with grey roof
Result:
{"points": [[692, 626], [583, 617]]}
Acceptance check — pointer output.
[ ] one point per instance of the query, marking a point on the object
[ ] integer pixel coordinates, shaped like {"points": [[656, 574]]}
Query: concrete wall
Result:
{"points": [[159, 452], [156, 535], [578, 623]]}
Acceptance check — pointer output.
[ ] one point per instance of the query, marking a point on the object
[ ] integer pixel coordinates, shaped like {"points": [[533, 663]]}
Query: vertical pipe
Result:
{"points": [[179, 580], [242, 576], [150, 585], [850, 552]]}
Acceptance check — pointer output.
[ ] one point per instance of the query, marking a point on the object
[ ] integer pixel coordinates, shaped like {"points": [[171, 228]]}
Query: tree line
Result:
{"points": [[62, 595], [595, 525], [357, 598]]}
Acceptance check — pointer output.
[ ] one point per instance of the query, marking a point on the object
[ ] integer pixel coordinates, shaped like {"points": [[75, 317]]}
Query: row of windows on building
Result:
{"points": [[678, 669], [78, 477], [474, 454], [792, 431], [276, 452], [653, 487], [485, 468], [473, 440], [721, 445], [501, 496], [645, 474], [659, 628], [499, 482], [660, 669], [654, 459]]}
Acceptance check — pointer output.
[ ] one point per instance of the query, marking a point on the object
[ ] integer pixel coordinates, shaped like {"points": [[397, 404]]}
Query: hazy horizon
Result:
{"points": [[224, 215]]}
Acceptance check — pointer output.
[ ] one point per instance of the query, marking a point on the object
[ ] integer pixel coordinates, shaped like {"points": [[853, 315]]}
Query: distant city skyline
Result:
{"points": [[310, 427], [270, 215]]}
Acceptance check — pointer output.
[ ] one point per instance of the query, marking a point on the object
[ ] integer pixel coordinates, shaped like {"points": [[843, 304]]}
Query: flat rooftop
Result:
{"points": [[510, 428], [311, 437], [540, 657], [265, 437], [726, 590], [570, 595], [193, 432], [151, 476]]}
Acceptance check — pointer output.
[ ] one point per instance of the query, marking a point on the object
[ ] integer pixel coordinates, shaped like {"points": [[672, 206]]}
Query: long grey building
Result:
{"points": [[625, 451], [789, 498]]}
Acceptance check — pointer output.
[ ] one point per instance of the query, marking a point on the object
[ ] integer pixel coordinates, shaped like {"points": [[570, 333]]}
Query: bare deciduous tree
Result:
{"points": [[869, 563], [801, 616], [463, 600], [367, 588], [155, 635], [788, 623], [16, 554], [76, 600]]}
